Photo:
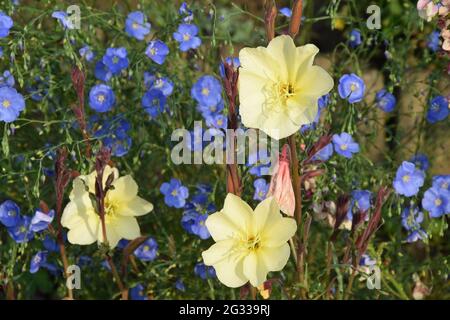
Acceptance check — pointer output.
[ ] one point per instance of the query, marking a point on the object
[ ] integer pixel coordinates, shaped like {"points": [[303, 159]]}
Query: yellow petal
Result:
{"points": [[302, 109], [267, 212], [221, 227], [134, 207], [278, 125], [238, 211], [230, 271], [316, 83], [125, 188], [283, 52], [278, 233], [85, 232], [218, 252], [125, 227], [259, 62], [111, 235], [77, 211], [274, 258], [255, 269], [303, 61]]}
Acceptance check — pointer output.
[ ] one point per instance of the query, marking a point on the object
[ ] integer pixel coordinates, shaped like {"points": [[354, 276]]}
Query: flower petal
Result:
{"points": [[125, 188], [255, 269], [134, 207], [275, 258], [238, 211], [278, 233], [85, 232], [218, 252], [266, 213], [221, 227], [230, 271]]}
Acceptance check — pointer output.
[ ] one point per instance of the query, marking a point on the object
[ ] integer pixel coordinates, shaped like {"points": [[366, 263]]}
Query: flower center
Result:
{"points": [[174, 193], [344, 146], [252, 243], [406, 178], [437, 202], [110, 208], [186, 37], [135, 25], [11, 213], [146, 248], [101, 98], [286, 91], [353, 87], [152, 51], [6, 103], [205, 91], [444, 185], [115, 60]]}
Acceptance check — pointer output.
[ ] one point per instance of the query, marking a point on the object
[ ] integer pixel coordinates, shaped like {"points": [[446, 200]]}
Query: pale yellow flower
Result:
{"points": [[279, 87], [122, 205], [249, 244]]}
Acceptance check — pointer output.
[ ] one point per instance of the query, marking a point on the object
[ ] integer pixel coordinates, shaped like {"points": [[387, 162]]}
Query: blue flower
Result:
{"points": [[161, 83], [157, 51], [385, 100], [147, 251], [344, 145], [153, 102], [102, 98], [436, 202], [9, 214], [179, 285], [188, 220], [260, 162], [84, 261], [116, 59], [38, 90], [442, 182], [285, 11], [366, 260], [355, 38], [6, 23], [11, 104], [50, 244], [411, 218], [63, 18], [434, 42], [207, 91], [114, 135], [138, 293], [175, 194], [37, 261], [136, 26], [416, 235], [7, 79], [186, 13], [218, 121], [210, 110], [324, 154], [438, 110], [102, 72], [186, 36], [362, 199], [204, 271], [261, 189], [41, 220], [198, 226], [421, 161], [21, 232], [234, 61], [86, 53], [408, 179], [351, 87]]}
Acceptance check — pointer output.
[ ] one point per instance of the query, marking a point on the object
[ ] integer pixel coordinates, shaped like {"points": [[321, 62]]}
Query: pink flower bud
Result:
{"points": [[281, 184]]}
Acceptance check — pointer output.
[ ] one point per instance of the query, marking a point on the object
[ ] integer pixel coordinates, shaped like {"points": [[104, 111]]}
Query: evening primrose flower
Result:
{"points": [[279, 87], [122, 205], [249, 244]]}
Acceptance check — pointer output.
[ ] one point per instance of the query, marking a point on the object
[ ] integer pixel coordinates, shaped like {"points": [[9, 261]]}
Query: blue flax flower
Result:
{"points": [[175, 194], [351, 87], [86, 53], [11, 104], [207, 91], [434, 42], [147, 251], [421, 161], [344, 145], [21, 232], [438, 110], [41, 220], [203, 271], [408, 179], [116, 59], [385, 100], [63, 18], [154, 102], [138, 292], [186, 36], [6, 24], [136, 26], [9, 214], [164, 84], [7, 79], [442, 182], [436, 201], [355, 38], [37, 261], [102, 72], [102, 98], [157, 51], [261, 189]]}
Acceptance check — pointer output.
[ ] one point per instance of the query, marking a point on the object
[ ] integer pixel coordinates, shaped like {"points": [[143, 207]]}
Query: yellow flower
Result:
{"points": [[121, 206], [279, 87], [249, 244]]}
